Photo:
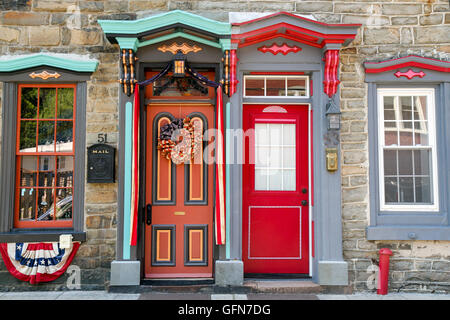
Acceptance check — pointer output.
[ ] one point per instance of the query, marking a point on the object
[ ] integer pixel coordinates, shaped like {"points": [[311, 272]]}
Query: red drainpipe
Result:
{"points": [[383, 275]]}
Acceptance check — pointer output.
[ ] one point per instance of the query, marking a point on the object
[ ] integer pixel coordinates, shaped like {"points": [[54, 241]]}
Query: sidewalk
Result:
{"points": [[104, 295]]}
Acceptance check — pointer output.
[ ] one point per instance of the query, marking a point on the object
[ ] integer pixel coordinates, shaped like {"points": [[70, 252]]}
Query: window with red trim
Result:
{"points": [[45, 156]]}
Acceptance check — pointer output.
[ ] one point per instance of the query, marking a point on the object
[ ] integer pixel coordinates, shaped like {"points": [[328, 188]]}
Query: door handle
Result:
{"points": [[148, 219], [304, 202]]}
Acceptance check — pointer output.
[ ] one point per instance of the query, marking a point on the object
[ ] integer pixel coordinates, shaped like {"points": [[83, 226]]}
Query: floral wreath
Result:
{"points": [[176, 149]]}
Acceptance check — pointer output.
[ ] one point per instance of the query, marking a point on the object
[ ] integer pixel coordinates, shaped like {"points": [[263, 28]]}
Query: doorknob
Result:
{"points": [[148, 219], [304, 202]]}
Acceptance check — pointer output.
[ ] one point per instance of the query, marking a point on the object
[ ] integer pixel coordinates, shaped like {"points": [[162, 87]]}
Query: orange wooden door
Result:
{"points": [[178, 241]]}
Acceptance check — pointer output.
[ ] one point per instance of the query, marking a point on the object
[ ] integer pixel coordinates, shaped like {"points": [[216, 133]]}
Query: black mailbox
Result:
{"points": [[101, 164]]}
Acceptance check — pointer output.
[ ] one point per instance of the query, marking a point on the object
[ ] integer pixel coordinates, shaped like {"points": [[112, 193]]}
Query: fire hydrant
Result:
{"points": [[383, 274]]}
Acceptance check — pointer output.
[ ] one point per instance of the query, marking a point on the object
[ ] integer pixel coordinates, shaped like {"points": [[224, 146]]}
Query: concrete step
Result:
{"points": [[283, 286]]}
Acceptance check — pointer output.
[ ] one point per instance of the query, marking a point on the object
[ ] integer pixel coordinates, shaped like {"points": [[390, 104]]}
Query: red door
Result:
{"points": [[275, 189]]}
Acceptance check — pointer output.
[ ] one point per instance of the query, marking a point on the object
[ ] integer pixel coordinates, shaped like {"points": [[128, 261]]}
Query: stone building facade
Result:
{"points": [[389, 29]]}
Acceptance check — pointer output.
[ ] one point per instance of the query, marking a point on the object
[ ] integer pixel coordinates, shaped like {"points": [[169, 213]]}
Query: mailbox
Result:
{"points": [[101, 164]]}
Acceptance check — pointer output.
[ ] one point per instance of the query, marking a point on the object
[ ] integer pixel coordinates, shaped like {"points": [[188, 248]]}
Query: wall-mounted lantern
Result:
{"points": [[333, 115], [179, 63]]}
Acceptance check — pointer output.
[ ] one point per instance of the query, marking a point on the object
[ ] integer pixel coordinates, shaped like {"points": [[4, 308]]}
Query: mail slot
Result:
{"points": [[101, 164]]}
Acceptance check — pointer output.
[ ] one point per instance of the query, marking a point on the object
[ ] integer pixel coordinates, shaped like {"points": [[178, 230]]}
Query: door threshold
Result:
{"points": [[277, 276], [176, 282]]}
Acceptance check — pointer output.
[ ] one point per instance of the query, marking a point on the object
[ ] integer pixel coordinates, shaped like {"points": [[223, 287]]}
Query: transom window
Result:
{"points": [[275, 157], [45, 155], [276, 86], [407, 150]]}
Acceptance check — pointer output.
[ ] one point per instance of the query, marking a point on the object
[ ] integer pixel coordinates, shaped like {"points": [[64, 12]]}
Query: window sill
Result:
{"points": [[40, 235], [408, 233]]}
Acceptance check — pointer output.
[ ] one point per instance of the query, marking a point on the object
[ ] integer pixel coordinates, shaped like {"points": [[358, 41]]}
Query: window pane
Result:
{"points": [[421, 133], [420, 108], [27, 203], [262, 156], [64, 204], [64, 168], [260, 179], [296, 87], [261, 134], [47, 103], [289, 157], [406, 187], [405, 108], [289, 180], [28, 171], [45, 204], [254, 86], [46, 138], [423, 190], [64, 136], [422, 162], [390, 138], [275, 179], [390, 162], [289, 134], [28, 103], [405, 162], [275, 157], [389, 112], [406, 136], [275, 134], [65, 103], [46, 171], [276, 86], [27, 136], [390, 190]]}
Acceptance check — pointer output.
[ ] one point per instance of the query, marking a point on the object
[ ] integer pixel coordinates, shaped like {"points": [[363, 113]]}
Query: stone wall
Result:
{"points": [[389, 27]]}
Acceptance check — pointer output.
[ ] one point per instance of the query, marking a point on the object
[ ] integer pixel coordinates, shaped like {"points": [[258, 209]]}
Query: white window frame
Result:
{"points": [[286, 77], [431, 106]]}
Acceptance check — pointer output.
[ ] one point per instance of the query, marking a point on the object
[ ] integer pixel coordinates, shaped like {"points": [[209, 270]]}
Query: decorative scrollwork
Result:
{"points": [[44, 75]]}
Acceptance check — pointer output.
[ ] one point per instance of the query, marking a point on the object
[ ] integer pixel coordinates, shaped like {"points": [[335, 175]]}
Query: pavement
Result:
{"points": [[104, 295]]}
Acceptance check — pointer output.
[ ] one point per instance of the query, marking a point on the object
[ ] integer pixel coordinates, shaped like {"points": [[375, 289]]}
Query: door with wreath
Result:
{"points": [[179, 187]]}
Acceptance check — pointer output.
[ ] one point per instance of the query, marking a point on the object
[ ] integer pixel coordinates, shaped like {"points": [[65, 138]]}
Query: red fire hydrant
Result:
{"points": [[383, 273]]}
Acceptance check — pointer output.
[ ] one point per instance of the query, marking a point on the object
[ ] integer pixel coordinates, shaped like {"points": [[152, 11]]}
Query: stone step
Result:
{"points": [[283, 286]]}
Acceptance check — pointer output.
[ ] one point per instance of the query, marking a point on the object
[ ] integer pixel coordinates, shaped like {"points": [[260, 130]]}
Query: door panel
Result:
{"points": [[275, 182], [179, 240]]}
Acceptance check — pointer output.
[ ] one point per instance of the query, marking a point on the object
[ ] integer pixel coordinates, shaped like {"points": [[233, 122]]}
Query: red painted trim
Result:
{"points": [[313, 253], [410, 74], [295, 16], [233, 77], [301, 35], [274, 73], [331, 81], [408, 64], [281, 25], [312, 157], [281, 35], [276, 49]]}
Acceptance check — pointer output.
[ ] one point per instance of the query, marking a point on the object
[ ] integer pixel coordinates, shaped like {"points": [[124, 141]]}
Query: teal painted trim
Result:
{"points": [[127, 180], [42, 59], [128, 43], [227, 179], [225, 44], [164, 20], [181, 35]]}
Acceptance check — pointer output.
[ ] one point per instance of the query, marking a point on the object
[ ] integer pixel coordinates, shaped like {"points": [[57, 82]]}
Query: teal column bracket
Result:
{"points": [[128, 43]]}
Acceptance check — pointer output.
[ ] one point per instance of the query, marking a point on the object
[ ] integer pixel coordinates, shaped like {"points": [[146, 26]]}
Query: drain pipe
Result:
{"points": [[383, 276]]}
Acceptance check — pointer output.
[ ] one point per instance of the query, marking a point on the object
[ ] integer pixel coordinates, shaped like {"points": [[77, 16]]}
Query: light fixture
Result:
{"points": [[333, 115], [179, 63]]}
